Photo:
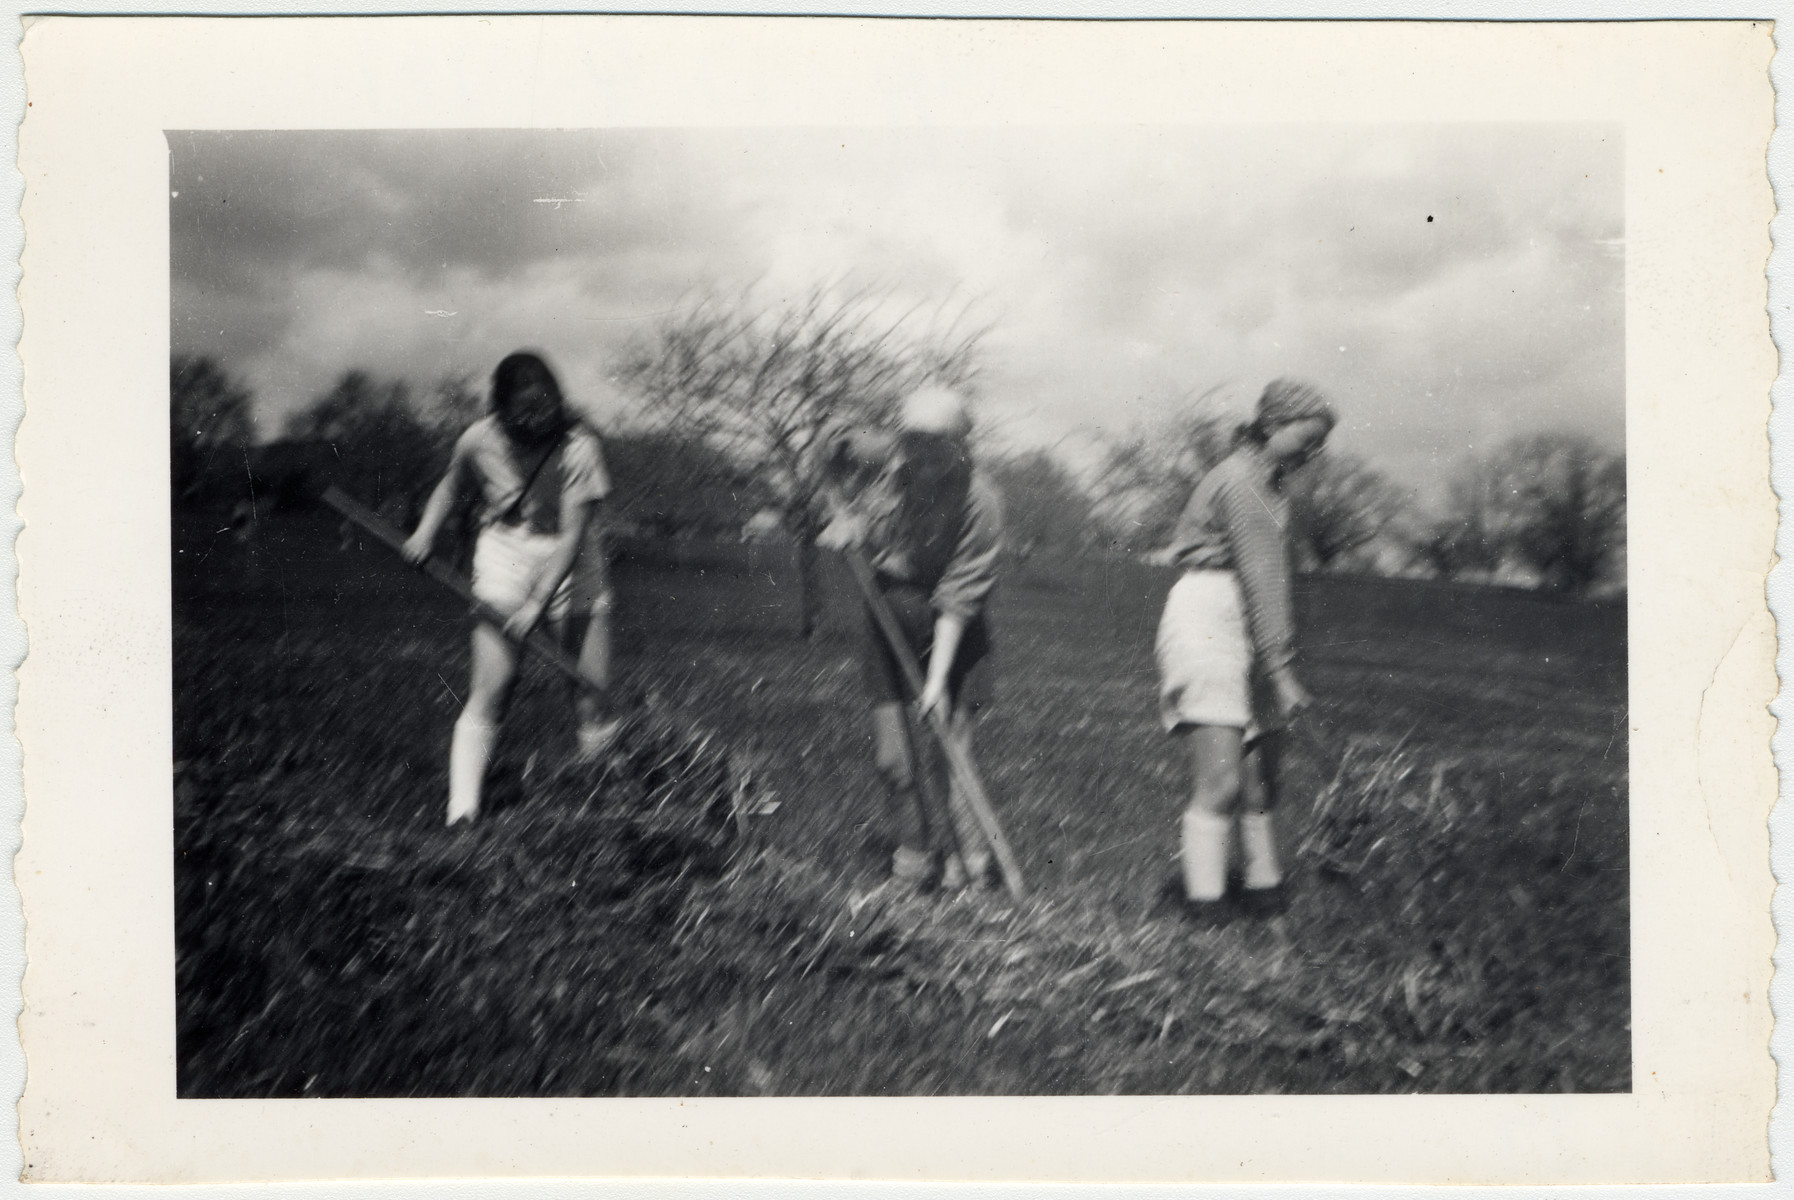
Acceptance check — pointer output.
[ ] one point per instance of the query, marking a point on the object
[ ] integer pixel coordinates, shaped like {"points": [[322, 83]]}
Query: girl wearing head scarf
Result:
{"points": [[1226, 649], [536, 476], [931, 527]]}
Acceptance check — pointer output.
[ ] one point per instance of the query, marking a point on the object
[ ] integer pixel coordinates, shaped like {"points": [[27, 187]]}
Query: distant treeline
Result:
{"points": [[731, 410], [387, 442]]}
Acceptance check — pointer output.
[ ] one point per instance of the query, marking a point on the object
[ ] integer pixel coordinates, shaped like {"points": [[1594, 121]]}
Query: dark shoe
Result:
{"points": [[1173, 901], [1208, 914], [1263, 902]]}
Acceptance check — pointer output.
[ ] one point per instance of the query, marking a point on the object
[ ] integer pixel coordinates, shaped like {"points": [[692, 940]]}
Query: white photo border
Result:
{"points": [[1782, 592]]}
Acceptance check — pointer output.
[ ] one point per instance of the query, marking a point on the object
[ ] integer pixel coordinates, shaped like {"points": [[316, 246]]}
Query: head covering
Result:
{"points": [[934, 409], [1288, 400]]}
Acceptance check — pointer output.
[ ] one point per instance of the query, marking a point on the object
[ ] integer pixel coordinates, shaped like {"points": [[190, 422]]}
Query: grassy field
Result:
{"points": [[1457, 829]]}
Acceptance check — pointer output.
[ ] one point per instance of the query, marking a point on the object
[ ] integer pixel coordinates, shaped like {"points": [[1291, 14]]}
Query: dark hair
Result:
{"points": [[516, 371]]}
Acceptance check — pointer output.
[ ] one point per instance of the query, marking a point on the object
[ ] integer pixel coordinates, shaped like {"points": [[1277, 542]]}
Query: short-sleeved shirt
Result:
{"points": [[487, 460]]}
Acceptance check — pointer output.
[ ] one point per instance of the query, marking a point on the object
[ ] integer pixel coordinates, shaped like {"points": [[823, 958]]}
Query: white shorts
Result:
{"points": [[1207, 673], [507, 560]]}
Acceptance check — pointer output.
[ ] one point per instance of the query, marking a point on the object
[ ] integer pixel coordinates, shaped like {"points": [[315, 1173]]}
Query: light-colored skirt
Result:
{"points": [[1207, 673], [507, 561]]}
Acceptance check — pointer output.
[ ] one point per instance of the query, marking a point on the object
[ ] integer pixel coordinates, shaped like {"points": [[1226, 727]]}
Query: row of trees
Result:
{"points": [[1547, 508], [383, 436], [384, 439], [735, 393], [210, 430]]}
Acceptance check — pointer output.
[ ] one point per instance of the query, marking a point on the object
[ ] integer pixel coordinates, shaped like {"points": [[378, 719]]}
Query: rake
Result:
{"points": [[959, 758], [539, 642]]}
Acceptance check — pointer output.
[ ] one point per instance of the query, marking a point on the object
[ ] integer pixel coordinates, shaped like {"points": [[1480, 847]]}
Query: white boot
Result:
{"points": [[914, 870], [470, 751], [1206, 837], [1258, 838]]}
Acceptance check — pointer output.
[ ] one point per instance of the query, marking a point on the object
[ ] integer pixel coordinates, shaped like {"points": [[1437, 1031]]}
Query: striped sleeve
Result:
{"points": [[1261, 560]]}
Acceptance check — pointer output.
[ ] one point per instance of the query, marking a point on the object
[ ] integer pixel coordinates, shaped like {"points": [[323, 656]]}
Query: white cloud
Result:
{"points": [[1123, 269]]}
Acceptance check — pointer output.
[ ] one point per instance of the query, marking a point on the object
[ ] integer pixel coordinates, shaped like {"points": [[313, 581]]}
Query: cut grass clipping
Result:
{"points": [[622, 932]]}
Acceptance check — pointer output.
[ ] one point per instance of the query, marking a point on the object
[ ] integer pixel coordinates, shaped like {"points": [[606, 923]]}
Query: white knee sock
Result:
{"points": [[1205, 854], [1258, 838], [470, 750]]}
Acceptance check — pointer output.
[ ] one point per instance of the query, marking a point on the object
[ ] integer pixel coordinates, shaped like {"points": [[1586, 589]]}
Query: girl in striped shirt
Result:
{"points": [[1226, 649]]}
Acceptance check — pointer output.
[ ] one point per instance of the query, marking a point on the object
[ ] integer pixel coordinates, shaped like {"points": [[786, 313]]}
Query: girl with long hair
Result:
{"points": [[536, 476]]}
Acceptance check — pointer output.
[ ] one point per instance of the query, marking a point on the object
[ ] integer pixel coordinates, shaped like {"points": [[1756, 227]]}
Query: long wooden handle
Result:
{"points": [[538, 642], [959, 758]]}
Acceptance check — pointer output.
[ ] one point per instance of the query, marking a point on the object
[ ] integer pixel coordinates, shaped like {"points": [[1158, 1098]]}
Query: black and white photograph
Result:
{"points": [[900, 611]]}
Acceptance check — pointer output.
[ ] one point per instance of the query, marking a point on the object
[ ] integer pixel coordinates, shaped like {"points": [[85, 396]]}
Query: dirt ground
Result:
{"points": [[1456, 825]]}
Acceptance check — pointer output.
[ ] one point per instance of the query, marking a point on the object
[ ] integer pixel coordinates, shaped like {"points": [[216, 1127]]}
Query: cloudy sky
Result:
{"points": [[1449, 285]]}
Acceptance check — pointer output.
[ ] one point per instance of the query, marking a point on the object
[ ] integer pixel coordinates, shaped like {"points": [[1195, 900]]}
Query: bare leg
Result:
{"points": [[1215, 765], [489, 694], [1216, 768], [589, 636]]}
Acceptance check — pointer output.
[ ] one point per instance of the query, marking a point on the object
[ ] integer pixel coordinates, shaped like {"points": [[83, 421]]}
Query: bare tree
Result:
{"points": [[760, 381], [1554, 503], [387, 439], [1339, 505], [209, 426], [1467, 540], [1147, 476], [1564, 508]]}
